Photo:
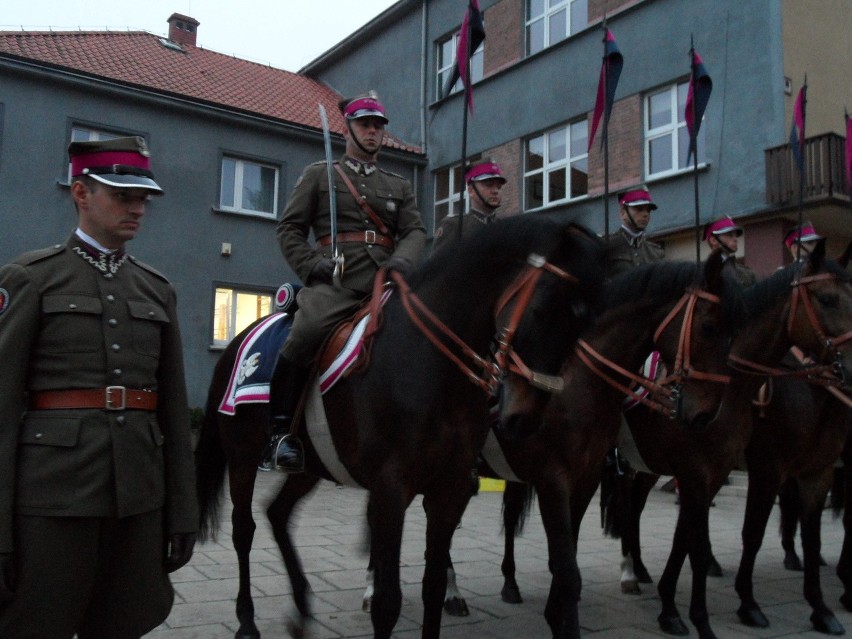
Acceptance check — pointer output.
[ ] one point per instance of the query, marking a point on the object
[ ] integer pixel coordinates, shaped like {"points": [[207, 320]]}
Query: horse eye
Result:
{"points": [[830, 300]]}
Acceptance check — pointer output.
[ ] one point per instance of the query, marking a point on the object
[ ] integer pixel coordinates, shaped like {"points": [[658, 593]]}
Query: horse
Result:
{"points": [[802, 304], [412, 417], [668, 306]]}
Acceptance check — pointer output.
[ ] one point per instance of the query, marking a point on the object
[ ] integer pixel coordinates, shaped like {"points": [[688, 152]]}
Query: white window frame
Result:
{"points": [[443, 68], [673, 130], [230, 318], [240, 164], [549, 166], [456, 200], [544, 21]]}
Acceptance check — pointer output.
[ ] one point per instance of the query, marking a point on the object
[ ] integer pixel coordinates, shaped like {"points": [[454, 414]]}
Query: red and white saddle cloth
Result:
{"points": [[652, 369]]}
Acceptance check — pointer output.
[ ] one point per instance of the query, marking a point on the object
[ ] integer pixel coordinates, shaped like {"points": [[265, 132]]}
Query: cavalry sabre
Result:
{"points": [[337, 256]]}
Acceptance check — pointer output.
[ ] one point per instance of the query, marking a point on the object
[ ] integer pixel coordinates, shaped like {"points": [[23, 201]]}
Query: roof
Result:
{"points": [[147, 61]]}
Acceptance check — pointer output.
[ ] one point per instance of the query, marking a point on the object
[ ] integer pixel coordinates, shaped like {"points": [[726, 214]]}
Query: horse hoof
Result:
{"points": [[672, 625], [846, 601], [713, 568], [792, 562], [296, 629], [827, 624], [631, 587], [642, 575], [247, 635], [366, 604], [511, 594], [752, 616], [456, 607]]}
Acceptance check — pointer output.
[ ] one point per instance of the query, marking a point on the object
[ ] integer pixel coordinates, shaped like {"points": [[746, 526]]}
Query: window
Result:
{"points": [[549, 21], [450, 193], [234, 309], [666, 137], [447, 62], [85, 134], [556, 166], [248, 187]]}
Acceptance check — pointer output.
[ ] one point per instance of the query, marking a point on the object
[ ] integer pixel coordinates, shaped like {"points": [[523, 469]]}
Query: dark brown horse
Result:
{"points": [[414, 420], [802, 305]]}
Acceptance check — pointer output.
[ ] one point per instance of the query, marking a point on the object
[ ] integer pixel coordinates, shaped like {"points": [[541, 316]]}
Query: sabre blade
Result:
{"points": [[332, 196]]}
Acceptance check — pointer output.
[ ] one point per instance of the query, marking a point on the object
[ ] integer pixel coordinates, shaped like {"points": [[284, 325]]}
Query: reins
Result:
{"points": [[666, 390], [483, 372]]}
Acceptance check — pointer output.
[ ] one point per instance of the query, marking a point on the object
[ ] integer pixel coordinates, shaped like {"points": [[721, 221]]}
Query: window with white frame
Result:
{"points": [[248, 187], [550, 21], [556, 166], [666, 135], [446, 62], [234, 309], [87, 134], [450, 193]]}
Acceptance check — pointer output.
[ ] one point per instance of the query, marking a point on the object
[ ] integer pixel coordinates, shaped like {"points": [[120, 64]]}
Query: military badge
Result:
{"points": [[4, 300], [391, 206]]}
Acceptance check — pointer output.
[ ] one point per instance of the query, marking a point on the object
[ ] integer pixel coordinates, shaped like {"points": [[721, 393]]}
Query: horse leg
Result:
{"points": [[454, 603], [514, 499], [640, 488], [788, 504], [695, 499], [241, 484], [813, 498], [844, 563], [278, 512], [762, 488], [669, 619], [386, 516], [560, 611]]}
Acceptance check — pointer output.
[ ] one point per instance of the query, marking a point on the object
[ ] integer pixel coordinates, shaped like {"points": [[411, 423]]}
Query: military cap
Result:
{"points": [[807, 233], [721, 226], [363, 106], [639, 196], [119, 162], [482, 170]]}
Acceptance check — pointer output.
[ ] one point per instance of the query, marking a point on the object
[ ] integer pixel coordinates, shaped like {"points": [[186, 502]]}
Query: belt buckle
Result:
{"points": [[370, 237], [110, 403]]}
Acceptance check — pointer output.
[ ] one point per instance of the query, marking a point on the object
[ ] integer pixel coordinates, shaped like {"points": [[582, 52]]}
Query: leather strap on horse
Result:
{"points": [[362, 201]]}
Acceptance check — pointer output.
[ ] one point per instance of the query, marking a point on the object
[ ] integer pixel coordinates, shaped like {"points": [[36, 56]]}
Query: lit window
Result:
{"points": [[85, 134], [248, 187], [446, 57], [666, 136], [450, 193], [556, 166], [235, 309], [550, 21]]}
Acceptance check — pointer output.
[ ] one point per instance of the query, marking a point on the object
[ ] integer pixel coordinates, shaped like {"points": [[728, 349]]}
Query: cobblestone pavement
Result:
{"points": [[329, 532]]}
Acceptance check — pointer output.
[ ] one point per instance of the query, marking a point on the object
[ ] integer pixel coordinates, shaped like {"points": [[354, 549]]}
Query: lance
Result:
{"points": [[336, 255]]}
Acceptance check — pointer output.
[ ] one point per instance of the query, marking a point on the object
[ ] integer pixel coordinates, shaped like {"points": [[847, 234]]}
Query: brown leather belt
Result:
{"points": [[109, 398], [367, 237]]}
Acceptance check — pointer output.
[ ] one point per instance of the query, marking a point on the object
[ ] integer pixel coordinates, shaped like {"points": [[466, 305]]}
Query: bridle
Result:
{"points": [[831, 374], [664, 395], [485, 372]]}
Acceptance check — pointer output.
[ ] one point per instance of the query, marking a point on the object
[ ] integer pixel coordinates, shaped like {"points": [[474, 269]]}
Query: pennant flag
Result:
{"points": [[611, 67], [472, 27], [848, 153], [797, 130], [697, 96]]}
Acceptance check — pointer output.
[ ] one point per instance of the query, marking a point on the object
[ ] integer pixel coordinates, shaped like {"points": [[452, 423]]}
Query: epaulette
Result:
{"points": [[148, 268], [39, 254]]}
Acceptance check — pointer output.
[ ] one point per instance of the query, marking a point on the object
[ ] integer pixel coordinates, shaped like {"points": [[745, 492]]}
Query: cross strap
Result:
{"points": [[362, 201]]}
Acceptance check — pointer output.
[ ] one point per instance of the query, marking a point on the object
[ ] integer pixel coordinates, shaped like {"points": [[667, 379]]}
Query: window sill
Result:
{"points": [[269, 217]]}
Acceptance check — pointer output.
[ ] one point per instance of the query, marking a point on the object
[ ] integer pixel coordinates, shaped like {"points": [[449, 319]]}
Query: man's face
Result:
{"points": [[807, 248], [490, 192], [641, 215], [369, 131], [728, 241], [111, 216]]}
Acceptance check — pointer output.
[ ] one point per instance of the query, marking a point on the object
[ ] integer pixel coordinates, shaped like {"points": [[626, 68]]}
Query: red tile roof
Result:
{"points": [[140, 59]]}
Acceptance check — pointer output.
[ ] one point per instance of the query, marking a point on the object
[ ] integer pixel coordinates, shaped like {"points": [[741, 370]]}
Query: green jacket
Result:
{"points": [[621, 255]]}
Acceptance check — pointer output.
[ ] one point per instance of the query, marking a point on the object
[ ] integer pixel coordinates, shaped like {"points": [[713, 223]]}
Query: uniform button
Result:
{"points": [[108, 276], [110, 297], [150, 313], [72, 306], [115, 348], [39, 435], [113, 322], [116, 371], [120, 419]]}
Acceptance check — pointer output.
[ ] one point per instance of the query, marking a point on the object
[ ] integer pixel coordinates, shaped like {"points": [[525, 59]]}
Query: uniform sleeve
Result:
{"points": [[173, 417], [295, 225], [19, 321], [445, 234], [410, 233]]}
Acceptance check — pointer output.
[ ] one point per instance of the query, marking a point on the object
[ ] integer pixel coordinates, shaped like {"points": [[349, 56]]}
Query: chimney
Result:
{"points": [[183, 29]]}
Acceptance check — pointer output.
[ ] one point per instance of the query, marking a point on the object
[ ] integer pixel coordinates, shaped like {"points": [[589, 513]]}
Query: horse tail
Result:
{"points": [[518, 499], [615, 495], [210, 466]]}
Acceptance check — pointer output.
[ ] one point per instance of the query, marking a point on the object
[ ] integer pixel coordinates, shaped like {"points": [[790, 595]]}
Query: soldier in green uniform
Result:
{"points": [[724, 234], [377, 224], [629, 247], [97, 491], [484, 181]]}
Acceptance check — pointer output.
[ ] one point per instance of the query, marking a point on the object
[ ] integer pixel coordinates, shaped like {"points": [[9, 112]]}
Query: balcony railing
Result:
{"points": [[824, 171]]}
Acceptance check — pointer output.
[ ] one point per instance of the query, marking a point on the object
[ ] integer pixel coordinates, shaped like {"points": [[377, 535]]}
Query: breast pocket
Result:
{"points": [[71, 323], [148, 320]]}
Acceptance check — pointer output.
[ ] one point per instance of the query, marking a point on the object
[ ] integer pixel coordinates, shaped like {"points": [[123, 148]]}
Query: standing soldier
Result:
{"points": [[629, 247], [97, 501], [378, 224], [724, 234], [484, 181]]}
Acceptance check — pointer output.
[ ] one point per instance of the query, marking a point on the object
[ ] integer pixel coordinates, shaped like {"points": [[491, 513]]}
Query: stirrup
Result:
{"points": [[288, 455]]}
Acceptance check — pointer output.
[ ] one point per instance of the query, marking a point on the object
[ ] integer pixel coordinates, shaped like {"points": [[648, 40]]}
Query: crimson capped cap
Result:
{"points": [[640, 196], [363, 106], [721, 226], [484, 169], [123, 163], [807, 233]]}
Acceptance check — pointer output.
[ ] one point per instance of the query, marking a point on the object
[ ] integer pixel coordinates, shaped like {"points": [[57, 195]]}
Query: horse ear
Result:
{"points": [[713, 271], [817, 256], [843, 260]]}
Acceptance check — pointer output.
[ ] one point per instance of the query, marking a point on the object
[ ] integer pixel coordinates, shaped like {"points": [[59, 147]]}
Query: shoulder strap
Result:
{"points": [[362, 201]]}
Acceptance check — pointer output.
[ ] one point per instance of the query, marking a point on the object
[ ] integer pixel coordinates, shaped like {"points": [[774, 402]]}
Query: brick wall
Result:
{"points": [[508, 156], [504, 41], [625, 148]]}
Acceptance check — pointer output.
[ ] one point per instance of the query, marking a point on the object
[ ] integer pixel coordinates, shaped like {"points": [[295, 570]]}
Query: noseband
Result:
{"points": [[667, 391]]}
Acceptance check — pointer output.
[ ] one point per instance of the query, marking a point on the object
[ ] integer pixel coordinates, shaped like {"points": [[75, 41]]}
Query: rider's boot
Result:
{"points": [[284, 450]]}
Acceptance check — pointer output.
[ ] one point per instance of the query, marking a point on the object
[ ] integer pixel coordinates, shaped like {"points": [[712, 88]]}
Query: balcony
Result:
{"points": [[824, 171]]}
